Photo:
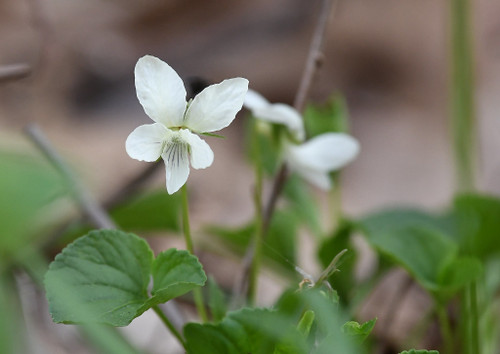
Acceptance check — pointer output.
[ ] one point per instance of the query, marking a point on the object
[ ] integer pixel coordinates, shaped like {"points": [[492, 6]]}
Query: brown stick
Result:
{"points": [[14, 72], [312, 64], [96, 214]]}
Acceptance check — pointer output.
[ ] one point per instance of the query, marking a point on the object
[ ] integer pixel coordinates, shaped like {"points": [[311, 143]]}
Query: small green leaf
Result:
{"points": [[175, 272], [413, 240], [342, 281], [245, 331], [263, 144], [478, 224], [217, 301], [27, 188], [151, 212], [458, 273], [306, 322], [279, 246], [101, 277], [358, 331], [302, 203], [419, 351], [330, 117]]}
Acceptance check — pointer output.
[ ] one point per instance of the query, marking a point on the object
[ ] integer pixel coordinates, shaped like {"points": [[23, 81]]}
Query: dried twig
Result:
{"points": [[312, 64], [14, 72], [92, 209], [89, 205]]}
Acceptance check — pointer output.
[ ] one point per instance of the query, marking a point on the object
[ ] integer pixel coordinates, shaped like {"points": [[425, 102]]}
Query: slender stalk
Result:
{"points": [[474, 319], [336, 201], [259, 227], [445, 329], [198, 296], [169, 325], [462, 107], [312, 64], [462, 94], [84, 198], [14, 72]]}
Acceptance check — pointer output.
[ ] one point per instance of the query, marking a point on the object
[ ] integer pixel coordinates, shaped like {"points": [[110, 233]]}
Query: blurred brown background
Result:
{"points": [[388, 57]]}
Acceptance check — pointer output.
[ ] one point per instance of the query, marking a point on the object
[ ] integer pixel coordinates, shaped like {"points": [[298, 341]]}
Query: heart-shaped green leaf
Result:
{"points": [[102, 277], [245, 331], [175, 272], [358, 331], [415, 241]]}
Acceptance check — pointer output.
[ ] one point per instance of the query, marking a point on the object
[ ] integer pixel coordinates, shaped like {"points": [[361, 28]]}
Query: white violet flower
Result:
{"points": [[278, 113], [312, 160], [162, 94]]}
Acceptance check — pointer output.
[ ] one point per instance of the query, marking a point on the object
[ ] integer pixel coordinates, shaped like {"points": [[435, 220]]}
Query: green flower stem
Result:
{"points": [[198, 297], [169, 325], [445, 329], [462, 104], [462, 107], [474, 319], [259, 224], [336, 200]]}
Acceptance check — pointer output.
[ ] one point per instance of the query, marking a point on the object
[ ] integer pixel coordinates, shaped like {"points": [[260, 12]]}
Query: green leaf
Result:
{"points": [[343, 281], [175, 272], [413, 240], [101, 277], [245, 331], [27, 188], [12, 331], [330, 117], [217, 301], [302, 203], [478, 224], [419, 351], [306, 322], [151, 212], [458, 273], [263, 144], [279, 246], [328, 318], [359, 331]]}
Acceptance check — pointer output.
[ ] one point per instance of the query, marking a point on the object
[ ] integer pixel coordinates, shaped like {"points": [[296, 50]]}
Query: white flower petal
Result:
{"points": [[201, 154], [278, 113], [326, 152], [160, 91], [319, 179], [281, 113], [146, 142], [176, 160], [254, 100], [216, 106]]}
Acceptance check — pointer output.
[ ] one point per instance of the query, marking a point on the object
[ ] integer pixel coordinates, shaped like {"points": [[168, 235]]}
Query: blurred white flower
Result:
{"points": [[278, 113], [316, 158], [312, 160], [162, 94]]}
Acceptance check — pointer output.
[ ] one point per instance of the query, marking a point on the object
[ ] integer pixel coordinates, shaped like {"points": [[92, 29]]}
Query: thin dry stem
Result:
{"points": [[96, 214], [14, 72], [312, 64]]}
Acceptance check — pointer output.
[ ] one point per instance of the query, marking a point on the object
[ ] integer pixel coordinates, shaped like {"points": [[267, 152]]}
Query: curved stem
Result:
{"points": [[259, 226], [312, 64], [169, 325], [445, 329], [198, 297], [474, 318]]}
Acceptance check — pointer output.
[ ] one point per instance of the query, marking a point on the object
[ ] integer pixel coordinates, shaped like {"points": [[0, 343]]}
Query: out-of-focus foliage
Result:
{"points": [[27, 188], [103, 277]]}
